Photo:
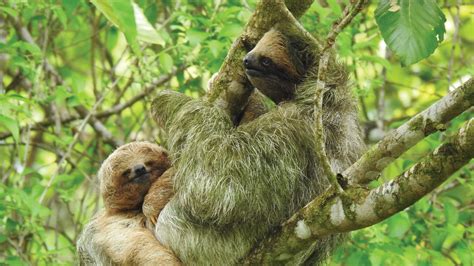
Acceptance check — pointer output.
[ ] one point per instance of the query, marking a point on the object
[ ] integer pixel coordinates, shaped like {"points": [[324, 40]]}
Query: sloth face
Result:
{"points": [[127, 174], [273, 68]]}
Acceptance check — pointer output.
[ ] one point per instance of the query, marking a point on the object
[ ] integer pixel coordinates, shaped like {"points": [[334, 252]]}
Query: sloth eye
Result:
{"points": [[266, 61], [126, 173], [150, 163]]}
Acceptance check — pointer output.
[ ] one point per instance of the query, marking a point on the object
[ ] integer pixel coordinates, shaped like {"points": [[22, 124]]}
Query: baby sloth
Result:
{"points": [[135, 174]]}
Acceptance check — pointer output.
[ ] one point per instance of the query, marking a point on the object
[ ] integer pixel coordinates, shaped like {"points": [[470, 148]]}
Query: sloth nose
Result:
{"points": [[139, 169], [248, 60]]}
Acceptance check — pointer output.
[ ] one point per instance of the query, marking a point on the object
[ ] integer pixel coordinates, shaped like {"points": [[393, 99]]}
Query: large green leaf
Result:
{"points": [[398, 225], [146, 32], [121, 14], [411, 28], [11, 125]]}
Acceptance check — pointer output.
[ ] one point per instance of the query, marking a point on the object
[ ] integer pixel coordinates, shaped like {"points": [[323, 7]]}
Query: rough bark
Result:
{"points": [[434, 118], [360, 207], [357, 207]]}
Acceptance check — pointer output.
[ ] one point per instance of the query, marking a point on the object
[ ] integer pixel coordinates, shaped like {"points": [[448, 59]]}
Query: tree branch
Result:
{"points": [[348, 15], [334, 212], [370, 165], [232, 69], [97, 125], [116, 109]]}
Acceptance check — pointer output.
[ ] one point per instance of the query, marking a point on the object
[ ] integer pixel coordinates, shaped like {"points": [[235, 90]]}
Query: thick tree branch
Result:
{"points": [[357, 208], [370, 165]]}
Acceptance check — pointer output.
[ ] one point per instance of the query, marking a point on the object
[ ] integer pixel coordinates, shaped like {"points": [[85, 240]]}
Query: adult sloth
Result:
{"points": [[233, 184]]}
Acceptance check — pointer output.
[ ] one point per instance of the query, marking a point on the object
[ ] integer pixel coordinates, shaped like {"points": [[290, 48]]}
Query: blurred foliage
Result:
{"points": [[76, 63]]}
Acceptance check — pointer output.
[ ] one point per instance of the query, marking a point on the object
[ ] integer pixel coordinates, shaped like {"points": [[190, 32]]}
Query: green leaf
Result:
{"points": [[11, 125], [73, 101], [335, 7], [359, 258], [215, 47], [60, 94], [146, 32], [230, 30], [121, 14], [455, 234], [438, 236], [29, 47], [69, 5], [398, 225], [376, 59], [61, 15], [451, 213], [196, 37], [166, 62], [12, 12], [411, 28], [14, 261]]}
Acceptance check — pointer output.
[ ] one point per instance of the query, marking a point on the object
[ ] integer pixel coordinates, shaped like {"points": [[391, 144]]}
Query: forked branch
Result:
{"points": [[358, 207]]}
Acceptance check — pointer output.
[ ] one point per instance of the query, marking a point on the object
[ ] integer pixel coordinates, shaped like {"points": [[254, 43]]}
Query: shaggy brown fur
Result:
{"points": [[274, 67], [234, 184], [121, 234]]}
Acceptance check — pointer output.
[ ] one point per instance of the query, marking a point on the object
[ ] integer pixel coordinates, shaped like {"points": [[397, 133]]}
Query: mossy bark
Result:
{"points": [[268, 13], [360, 207], [369, 167]]}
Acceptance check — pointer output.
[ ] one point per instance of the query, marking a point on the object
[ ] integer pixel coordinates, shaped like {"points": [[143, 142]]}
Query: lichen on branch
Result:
{"points": [[371, 164], [359, 207]]}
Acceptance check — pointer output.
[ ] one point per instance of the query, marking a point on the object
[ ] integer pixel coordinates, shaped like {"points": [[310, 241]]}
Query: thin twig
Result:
{"points": [[348, 15], [114, 110], [71, 145]]}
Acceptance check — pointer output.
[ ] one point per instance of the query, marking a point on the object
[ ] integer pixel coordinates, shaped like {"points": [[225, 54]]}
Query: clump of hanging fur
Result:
{"points": [[233, 184]]}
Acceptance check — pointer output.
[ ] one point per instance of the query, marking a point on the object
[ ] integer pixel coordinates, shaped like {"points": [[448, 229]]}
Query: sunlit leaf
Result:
{"points": [[450, 212], [215, 47], [146, 32], [437, 236], [61, 15], [335, 7], [230, 30], [398, 225], [10, 11], [195, 37], [413, 29], [70, 5], [166, 62], [376, 59], [30, 47], [11, 125], [121, 14]]}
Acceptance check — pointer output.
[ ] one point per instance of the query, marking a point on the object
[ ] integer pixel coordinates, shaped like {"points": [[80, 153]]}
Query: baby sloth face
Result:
{"points": [[127, 174]]}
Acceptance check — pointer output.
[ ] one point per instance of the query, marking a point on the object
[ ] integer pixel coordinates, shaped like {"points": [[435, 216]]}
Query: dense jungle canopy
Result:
{"points": [[75, 84]]}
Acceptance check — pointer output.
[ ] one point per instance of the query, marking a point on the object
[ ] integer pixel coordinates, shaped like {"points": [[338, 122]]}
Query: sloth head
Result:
{"points": [[276, 65], [127, 174]]}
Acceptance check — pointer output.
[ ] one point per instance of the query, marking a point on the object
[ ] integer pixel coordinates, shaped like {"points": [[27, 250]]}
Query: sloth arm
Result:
{"points": [[226, 174], [159, 194], [127, 241], [121, 239]]}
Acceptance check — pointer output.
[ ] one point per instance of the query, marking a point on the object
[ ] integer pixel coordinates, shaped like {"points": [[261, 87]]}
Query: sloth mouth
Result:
{"points": [[141, 178], [254, 72]]}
